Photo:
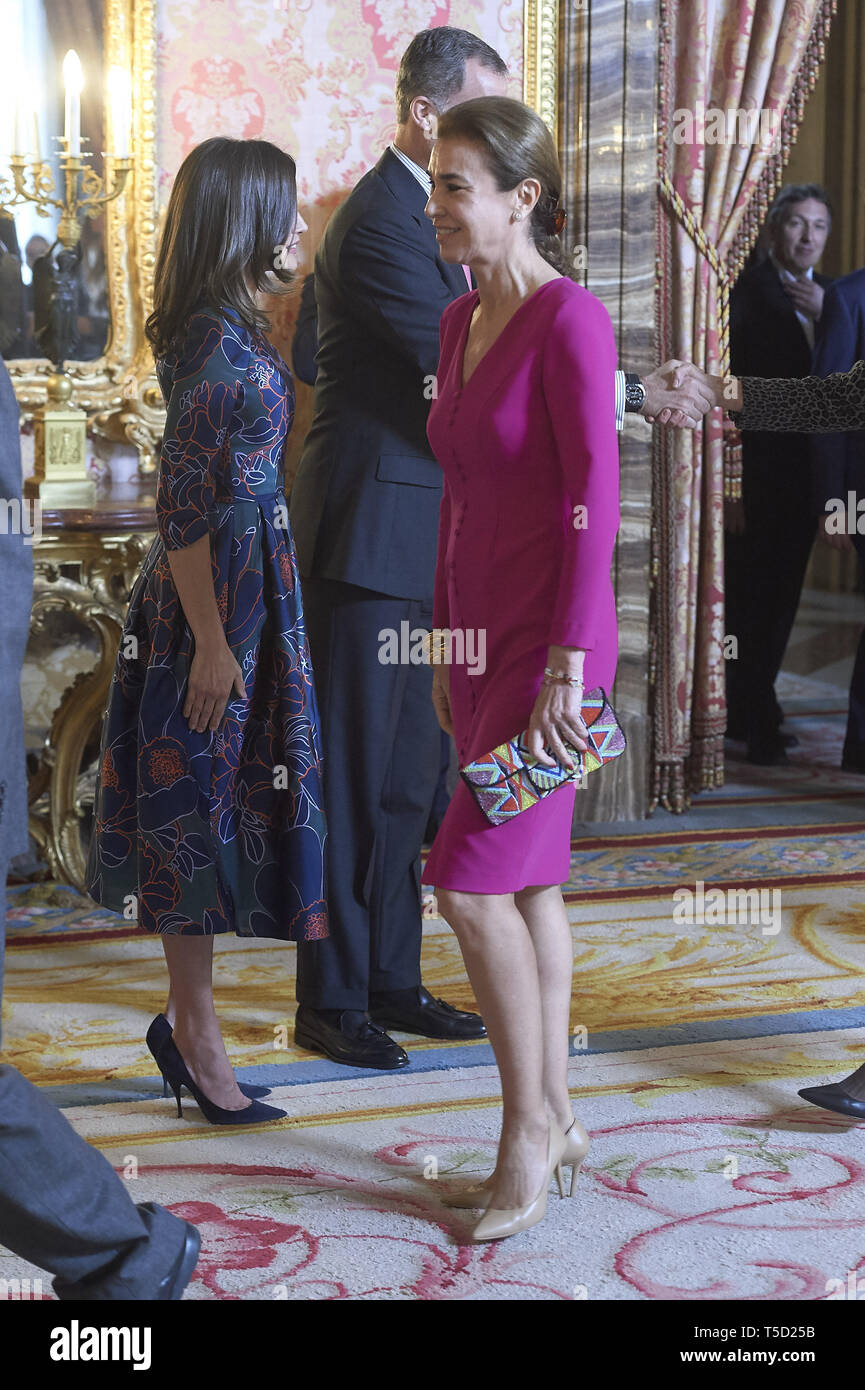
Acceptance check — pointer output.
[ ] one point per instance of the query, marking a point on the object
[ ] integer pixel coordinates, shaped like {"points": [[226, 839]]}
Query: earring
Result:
{"points": [[517, 216]]}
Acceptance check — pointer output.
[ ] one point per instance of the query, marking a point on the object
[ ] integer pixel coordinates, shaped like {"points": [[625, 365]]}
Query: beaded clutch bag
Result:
{"points": [[509, 780]]}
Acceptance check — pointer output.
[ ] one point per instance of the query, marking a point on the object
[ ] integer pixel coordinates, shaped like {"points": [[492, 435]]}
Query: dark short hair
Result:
{"points": [[434, 66], [232, 203], [793, 193], [516, 144]]}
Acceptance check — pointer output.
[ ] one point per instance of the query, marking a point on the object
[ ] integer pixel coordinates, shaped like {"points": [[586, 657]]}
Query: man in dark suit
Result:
{"points": [[364, 513], [774, 311], [304, 347], [62, 1206], [839, 469]]}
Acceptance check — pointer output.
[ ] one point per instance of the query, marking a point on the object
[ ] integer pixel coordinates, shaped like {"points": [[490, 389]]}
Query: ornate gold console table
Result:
{"points": [[84, 566]]}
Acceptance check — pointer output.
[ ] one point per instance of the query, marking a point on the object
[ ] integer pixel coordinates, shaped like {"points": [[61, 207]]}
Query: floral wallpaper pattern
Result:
{"points": [[316, 79]]}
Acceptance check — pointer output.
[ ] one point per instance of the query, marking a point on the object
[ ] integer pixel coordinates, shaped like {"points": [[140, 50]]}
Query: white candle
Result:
{"points": [[119, 97], [36, 154], [74, 81], [16, 128]]}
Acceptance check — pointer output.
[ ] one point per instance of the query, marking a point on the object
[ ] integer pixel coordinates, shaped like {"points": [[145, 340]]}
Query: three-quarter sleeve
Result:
{"points": [[441, 606], [579, 367], [804, 405], [206, 383]]}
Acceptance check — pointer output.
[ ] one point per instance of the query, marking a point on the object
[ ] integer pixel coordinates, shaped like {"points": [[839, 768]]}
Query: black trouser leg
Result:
{"points": [[765, 570], [407, 798], [380, 766]]}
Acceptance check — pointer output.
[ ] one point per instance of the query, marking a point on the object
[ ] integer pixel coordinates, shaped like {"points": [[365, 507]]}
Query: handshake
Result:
{"points": [[679, 394]]}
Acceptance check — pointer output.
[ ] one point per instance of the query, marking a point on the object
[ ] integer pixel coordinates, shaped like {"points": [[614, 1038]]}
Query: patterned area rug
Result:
{"points": [[708, 1177]]}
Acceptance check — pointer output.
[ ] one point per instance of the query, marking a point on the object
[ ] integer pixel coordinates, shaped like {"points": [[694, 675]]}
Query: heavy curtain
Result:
{"points": [[735, 75]]}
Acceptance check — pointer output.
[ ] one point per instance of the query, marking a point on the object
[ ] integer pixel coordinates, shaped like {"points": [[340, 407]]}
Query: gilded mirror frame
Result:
{"points": [[119, 390], [541, 60]]}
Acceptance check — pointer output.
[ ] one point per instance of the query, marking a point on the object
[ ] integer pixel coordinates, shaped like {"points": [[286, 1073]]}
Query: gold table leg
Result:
{"points": [[106, 568]]}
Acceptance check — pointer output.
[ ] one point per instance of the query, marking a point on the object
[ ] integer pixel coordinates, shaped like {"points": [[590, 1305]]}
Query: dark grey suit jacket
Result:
{"points": [[365, 501], [839, 460]]}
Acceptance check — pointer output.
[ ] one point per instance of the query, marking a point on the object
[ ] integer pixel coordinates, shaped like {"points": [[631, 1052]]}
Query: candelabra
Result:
{"points": [[60, 428]]}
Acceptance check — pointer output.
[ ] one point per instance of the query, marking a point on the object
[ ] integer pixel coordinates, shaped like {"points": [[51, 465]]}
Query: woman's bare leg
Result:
{"points": [[543, 911], [196, 1027], [501, 965]]}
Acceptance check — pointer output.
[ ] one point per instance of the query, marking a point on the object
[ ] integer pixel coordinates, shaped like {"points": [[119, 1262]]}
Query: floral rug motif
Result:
{"points": [[708, 1177]]}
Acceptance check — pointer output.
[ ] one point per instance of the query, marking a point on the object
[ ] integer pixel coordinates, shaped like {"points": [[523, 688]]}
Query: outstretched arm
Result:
{"points": [[806, 405]]}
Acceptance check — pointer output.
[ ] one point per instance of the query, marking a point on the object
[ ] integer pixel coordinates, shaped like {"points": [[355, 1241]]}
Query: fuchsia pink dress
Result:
{"points": [[530, 438]]}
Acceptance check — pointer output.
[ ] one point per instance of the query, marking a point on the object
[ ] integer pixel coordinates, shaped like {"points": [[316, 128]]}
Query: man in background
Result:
{"points": [[774, 312]]}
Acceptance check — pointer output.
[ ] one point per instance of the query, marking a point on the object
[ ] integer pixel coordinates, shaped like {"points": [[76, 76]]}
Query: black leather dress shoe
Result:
{"points": [[834, 1097], [347, 1036], [172, 1286], [415, 1011]]}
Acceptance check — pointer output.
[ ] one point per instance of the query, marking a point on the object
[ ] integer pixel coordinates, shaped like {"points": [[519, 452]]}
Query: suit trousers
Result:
{"points": [[382, 754], [63, 1207], [764, 571]]}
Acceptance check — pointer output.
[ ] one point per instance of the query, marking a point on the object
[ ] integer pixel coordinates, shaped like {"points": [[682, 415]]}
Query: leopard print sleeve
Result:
{"points": [[813, 405]]}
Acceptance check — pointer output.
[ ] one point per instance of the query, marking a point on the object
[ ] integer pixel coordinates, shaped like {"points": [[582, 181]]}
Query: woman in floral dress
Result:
{"points": [[209, 803]]}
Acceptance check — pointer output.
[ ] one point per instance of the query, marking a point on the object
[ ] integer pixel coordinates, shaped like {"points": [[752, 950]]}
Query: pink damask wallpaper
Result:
{"points": [[314, 76]]}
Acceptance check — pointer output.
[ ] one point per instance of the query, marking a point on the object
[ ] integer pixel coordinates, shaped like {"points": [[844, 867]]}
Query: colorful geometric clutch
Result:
{"points": [[509, 780]]}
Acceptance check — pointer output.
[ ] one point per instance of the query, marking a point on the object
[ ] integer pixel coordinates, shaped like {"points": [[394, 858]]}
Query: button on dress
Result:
{"points": [[216, 831], [529, 516]]}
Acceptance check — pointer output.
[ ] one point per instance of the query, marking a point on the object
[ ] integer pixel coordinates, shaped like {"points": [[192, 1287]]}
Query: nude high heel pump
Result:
{"points": [[575, 1150], [495, 1224], [478, 1195]]}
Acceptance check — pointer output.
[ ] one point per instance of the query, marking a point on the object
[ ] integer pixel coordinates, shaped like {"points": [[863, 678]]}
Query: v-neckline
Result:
{"points": [[462, 385]]}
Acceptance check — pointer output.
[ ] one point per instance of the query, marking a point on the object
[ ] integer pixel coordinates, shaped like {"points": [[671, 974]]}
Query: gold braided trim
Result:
{"points": [[686, 218], [693, 227]]}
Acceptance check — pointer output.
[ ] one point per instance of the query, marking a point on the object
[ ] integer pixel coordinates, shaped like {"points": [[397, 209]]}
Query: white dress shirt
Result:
{"points": [[807, 323]]}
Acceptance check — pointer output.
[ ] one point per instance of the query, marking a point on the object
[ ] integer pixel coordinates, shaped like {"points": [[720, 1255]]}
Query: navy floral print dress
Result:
{"points": [[216, 831]]}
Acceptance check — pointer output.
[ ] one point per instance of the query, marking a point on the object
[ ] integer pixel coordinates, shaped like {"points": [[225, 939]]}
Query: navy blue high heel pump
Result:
{"points": [[176, 1073], [160, 1029]]}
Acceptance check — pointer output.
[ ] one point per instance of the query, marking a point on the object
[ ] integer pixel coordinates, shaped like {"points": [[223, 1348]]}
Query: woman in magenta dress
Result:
{"points": [[524, 428]]}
